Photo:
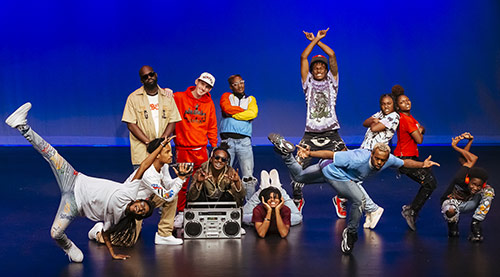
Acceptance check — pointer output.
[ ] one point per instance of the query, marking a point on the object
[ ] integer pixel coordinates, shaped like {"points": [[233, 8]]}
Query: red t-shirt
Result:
{"points": [[406, 144], [259, 213]]}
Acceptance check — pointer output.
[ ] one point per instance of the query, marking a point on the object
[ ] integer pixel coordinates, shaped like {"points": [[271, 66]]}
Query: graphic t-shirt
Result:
{"points": [[155, 114], [390, 121], [321, 97]]}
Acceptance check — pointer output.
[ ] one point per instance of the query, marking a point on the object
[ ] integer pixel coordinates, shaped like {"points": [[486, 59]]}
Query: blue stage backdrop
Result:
{"points": [[77, 61]]}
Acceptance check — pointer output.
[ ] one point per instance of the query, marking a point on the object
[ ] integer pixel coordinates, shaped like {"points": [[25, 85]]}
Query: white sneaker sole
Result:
{"points": [[13, 120]]}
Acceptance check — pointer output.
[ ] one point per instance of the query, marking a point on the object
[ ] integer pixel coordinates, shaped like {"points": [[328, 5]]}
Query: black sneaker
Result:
{"points": [[283, 146], [476, 233], [409, 214], [348, 240], [453, 229]]}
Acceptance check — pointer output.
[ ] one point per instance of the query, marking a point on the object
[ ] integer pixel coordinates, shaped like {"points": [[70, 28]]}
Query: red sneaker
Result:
{"points": [[339, 204]]}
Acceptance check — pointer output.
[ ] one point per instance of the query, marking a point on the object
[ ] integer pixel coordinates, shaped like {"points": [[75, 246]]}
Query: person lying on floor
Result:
{"points": [[271, 216], [267, 180]]}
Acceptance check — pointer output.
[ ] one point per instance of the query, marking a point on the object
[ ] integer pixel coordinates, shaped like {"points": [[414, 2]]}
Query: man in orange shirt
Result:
{"points": [[197, 128]]}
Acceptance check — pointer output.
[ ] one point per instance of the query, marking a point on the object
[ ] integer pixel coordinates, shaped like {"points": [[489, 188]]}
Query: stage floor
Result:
{"points": [[31, 197]]}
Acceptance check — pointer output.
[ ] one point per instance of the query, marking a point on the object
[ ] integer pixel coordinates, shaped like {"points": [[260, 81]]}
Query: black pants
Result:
{"points": [[425, 178]]}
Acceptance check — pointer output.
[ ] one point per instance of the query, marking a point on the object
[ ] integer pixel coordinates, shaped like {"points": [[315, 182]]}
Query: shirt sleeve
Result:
{"points": [[129, 114], [212, 127], [408, 125], [286, 213], [394, 162], [225, 105], [250, 113], [173, 111], [258, 215]]}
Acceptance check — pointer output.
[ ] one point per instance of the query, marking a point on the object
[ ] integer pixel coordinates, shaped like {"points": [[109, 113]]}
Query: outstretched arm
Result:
{"points": [[416, 164], [305, 152], [467, 158], [107, 241]]}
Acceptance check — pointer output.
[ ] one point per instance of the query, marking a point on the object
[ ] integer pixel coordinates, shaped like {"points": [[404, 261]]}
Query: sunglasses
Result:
{"points": [[219, 158], [146, 76], [237, 83]]}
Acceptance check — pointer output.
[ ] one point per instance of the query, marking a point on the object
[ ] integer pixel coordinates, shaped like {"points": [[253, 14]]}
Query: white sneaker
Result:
{"points": [[275, 178], [19, 116], [96, 229], [179, 220], [375, 217], [170, 240], [74, 253], [242, 231], [368, 220], [264, 179]]}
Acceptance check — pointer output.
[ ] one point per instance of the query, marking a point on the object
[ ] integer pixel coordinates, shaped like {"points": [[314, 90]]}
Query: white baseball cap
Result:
{"points": [[207, 78]]}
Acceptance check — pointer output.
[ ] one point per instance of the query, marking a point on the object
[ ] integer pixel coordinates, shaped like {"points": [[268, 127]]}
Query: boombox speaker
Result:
{"points": [[206, 220]]}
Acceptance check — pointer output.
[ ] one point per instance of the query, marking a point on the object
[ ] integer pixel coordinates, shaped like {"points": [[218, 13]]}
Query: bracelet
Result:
{"points": [[265, 218]]}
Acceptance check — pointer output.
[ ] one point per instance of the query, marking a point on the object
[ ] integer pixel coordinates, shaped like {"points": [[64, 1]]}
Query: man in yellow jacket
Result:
{"points": [[238, 112]]}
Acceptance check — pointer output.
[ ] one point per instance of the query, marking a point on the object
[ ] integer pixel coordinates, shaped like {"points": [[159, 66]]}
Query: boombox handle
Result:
{"points": [[229, 204]]}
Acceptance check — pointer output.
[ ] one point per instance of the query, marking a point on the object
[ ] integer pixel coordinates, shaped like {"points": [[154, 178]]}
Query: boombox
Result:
{"points": [[206, 220]]}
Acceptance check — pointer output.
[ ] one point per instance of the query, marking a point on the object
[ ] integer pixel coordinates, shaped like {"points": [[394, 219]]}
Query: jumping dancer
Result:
{"points": [[468, 192], [98, 199], [320, 86], [410, 134]]}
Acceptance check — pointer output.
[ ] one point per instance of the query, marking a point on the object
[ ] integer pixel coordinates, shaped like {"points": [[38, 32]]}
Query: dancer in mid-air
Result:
{"points": [[98, 199]]}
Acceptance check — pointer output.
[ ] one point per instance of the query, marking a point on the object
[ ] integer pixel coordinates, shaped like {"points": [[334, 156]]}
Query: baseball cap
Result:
{"points": [[207, 78], [319, 58]]}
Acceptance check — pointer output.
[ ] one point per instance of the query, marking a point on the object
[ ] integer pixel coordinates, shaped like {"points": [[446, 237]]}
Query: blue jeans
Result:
{"points": [[353, 191], [242, 149]]}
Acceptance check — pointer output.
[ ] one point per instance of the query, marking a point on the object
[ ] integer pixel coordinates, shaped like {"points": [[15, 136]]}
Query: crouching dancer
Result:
{"points": [[468, 192], [98, 199]]}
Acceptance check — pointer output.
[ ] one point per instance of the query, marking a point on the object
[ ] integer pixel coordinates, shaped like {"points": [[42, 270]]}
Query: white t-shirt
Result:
{"points": [[159, 183], [104, 200], [154, 107], [391, 122], [321, 98]]}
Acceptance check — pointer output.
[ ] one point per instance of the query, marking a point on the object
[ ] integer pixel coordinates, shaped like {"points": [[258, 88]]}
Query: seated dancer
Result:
{"points": [[381, 128], [216, 181], [270, 179], [271, 216], [157, 185], [467, 192], [98, 199], [410, 134], [343, 171]]}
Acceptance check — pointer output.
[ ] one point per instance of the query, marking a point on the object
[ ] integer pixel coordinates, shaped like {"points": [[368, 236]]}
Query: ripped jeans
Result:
{"points": [[65, 177]]}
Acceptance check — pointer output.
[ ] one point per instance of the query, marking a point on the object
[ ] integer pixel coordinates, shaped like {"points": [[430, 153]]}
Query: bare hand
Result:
{"points": [[120, 257], [280, 205], [309, 36], [304, 151], [429, 163], [467, 135], [454, 141], [322, 33], [233, 175], [201, 176], [268, 208]]}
